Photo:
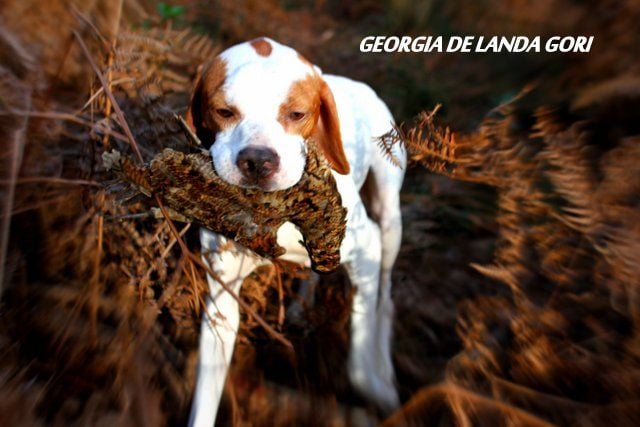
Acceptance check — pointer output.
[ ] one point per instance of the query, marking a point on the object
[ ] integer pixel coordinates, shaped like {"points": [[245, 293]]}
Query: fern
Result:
{"points": [[426, 143]]}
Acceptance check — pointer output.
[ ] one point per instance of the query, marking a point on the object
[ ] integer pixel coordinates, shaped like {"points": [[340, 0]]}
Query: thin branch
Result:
{"points": [[116, 107], [50, 180], [56, 115], [17, 150], [447, 391], [100, 90], [34, 206], [144, 215], [84, 18]]}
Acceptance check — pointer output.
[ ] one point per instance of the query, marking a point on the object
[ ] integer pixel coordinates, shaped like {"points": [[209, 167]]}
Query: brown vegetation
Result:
{"points": [[517, 284]]}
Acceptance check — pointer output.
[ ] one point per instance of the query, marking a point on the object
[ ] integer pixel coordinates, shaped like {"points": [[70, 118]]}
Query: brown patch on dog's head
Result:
{"points": [[208, 111], [261, 46], [299, 112], [310, 111]]}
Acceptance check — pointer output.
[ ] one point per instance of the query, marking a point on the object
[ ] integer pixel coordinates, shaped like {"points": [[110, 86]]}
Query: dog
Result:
{"points": [[253, 107]]}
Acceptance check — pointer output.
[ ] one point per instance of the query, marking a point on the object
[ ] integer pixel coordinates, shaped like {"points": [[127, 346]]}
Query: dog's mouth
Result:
{"points": [[263, 184], [275, 181]]}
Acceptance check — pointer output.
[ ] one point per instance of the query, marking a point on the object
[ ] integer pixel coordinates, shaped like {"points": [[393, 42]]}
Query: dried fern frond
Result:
{"points": [[150, 73], [427, 144], [388, 141], [572, 176], [163, 57]]}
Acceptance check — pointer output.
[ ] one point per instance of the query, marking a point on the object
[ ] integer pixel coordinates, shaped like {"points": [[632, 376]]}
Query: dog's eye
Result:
{"points": [[296, 115], [224, 113]]}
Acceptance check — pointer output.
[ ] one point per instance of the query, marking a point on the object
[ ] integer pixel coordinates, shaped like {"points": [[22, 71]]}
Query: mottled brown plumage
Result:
{"points": [[189, 185]]}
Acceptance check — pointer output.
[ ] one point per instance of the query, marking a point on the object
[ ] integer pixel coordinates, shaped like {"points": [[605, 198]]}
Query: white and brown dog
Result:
{"points": [[255, 105]]}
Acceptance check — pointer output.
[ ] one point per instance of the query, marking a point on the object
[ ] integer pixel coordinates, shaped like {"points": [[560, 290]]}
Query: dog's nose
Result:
{"points": [[257, 163]]}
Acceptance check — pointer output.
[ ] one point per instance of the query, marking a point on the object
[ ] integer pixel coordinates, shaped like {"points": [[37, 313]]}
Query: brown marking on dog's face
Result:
{"points": [[208, 111], [299, 112], [310, 111], [262, 47]]}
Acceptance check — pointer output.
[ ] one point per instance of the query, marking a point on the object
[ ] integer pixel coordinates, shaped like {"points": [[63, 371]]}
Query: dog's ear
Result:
{"points": [[327, 133], [199, 108]]}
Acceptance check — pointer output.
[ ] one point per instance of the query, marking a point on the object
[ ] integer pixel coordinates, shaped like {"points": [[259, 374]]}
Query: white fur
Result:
{"points": [[368, 250], [247, 76]]}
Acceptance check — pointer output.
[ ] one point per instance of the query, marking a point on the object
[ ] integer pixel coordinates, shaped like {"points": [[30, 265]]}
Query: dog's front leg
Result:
{"points": [[219, 326], [362, 253]]}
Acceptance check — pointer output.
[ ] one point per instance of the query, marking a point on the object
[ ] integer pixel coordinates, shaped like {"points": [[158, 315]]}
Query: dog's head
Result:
{"points": [[255, 105]]}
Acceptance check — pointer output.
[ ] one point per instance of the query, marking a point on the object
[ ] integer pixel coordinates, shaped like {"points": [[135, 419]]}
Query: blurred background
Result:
{"points": [[517, 286]]}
